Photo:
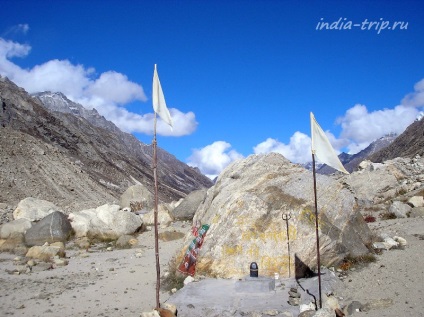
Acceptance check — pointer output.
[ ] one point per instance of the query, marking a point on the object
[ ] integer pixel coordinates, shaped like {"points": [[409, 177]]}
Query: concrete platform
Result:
{"points": [[226, 297]]}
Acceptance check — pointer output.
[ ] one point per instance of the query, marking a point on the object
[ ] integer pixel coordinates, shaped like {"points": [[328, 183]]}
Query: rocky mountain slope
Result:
{"points": [[408, 144], [76, 158], [351, 162]]}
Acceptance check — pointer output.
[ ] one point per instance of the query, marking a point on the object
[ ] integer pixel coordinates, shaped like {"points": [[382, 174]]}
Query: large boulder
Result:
{"points": [[164, 218], [106, 222], [416, 201], [55, 227], [46, 252], [400, 209], [417, 212], [187, 208], [14, 243], [139, 196], [34, 209], [244, 210], [16, 226]]}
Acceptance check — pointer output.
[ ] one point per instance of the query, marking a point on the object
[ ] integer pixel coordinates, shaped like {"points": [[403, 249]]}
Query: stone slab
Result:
{"points": [[255, 285]]}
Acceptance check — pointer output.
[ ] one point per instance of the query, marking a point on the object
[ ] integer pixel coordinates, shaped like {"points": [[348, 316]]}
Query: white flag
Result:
{"points": [[322, 148], [159, 104]]}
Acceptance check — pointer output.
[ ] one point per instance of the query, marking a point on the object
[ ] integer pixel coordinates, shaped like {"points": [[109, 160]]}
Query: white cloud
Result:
{"points": [[297, 151], [56, 75], [9, 49], [213, 158], [183, 123], [107, 92], [360, 127], [415, 99], [16, 30], [105, 85]]}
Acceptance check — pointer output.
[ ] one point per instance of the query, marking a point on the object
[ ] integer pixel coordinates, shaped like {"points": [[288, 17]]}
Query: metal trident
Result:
{"points": [[286, 217]]}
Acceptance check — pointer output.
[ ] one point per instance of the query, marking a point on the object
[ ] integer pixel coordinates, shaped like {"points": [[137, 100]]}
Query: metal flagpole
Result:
{"points": [[155, 163], [316, 230]]}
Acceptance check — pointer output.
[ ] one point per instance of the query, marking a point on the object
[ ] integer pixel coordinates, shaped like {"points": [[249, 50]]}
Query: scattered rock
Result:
{"points": [[126, 241], [16, 226], [353, 307], [187, 208], [416, 201], [137, 195], [52, 228], [45, 253], [378, 304], [400, 209], [34, 209], [163, 216], [106, 222], [294, 297], [416, 212]]}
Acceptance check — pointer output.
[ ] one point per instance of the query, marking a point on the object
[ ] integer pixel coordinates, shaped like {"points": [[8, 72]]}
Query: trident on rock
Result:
{"points": [[286, 217]]}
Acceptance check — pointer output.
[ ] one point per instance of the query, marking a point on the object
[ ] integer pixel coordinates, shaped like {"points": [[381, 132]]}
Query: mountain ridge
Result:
{"points": [[113, 160], [351, 161]]}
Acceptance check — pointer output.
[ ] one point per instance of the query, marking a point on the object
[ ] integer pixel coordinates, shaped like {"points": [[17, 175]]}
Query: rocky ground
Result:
{"points": [[393, 285], [98, 282]]}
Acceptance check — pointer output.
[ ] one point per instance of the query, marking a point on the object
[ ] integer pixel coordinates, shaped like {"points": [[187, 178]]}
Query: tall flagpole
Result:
{"points": [[159, 106], [155, 164], [316, 229]]}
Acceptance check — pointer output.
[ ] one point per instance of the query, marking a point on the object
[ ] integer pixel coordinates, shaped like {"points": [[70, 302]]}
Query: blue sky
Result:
{"points": [[239, 77]]}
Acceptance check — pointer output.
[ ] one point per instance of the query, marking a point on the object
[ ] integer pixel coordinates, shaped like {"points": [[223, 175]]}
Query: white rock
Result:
{"points": [[305, 307], [171, 307], [188, 280], [390, 243], [416, 201], [106, 222], [34, 209], [16, 226], [400, 240]]}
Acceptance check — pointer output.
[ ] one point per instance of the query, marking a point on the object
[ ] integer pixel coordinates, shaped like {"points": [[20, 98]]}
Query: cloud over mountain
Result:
{"points": [[108, 92]]}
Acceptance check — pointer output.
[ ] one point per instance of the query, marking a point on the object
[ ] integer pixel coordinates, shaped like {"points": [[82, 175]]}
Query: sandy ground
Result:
{"points": [[394, 284], [94, 283], [122, 282]]}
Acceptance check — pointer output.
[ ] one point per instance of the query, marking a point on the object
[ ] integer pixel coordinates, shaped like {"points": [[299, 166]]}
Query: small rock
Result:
{"points": [[294, 301], [171, 307], [294, 294], [188, 280], [402, 242], [353, 307], [31, 263], [60, 262]]}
